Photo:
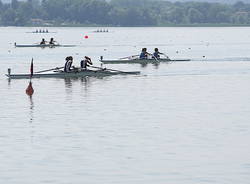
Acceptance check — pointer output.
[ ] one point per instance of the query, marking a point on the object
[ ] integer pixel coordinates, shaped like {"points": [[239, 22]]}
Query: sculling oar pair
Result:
{"points": [[111, 70], [57, 68]]}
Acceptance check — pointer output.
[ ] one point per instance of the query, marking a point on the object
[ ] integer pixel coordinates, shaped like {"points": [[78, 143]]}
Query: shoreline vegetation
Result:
{"points": [[123, 13], [107, 26]]}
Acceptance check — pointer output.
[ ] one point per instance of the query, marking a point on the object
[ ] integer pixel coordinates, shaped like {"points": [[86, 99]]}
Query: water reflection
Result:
{"points": [[143, 65], [9, 82], [31, 111], [31, 118], [84, 82], [68, 85], [156, 65]]}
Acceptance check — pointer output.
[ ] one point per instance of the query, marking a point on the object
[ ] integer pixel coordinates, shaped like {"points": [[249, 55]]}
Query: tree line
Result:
{"points": [[122, 13]]}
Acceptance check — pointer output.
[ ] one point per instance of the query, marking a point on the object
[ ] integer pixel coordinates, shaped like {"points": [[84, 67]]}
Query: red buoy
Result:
{"points": [[30, 90]]}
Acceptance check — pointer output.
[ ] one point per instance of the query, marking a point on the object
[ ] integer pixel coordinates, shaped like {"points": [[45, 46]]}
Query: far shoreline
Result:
{"points": [[112, 26]]}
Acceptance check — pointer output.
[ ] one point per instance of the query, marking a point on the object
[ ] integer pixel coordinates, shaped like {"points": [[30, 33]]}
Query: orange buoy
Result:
{"points": [[30, 90]]}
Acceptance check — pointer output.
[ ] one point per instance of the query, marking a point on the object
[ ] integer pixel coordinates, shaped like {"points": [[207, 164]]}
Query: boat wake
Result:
{"points": [[232, 59]]}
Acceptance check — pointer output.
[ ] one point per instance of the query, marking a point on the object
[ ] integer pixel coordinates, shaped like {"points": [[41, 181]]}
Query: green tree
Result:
{"points": [[223, 17], [195, 16], [176, 15], [14, 4]]}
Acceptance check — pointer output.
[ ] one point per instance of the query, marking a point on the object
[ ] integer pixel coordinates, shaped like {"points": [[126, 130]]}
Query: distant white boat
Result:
{"points": [[100, 72], [43, 45]]}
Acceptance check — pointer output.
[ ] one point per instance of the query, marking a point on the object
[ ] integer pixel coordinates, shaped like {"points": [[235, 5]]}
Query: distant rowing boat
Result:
{"points": [[101, 31], [40, 32], [139, 61], [44, 45], [72, 74]]}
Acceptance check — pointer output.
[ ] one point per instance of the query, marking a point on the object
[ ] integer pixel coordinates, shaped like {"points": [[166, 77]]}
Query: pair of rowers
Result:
{"points": [[51, 42], [145, 55], [84, 63]]}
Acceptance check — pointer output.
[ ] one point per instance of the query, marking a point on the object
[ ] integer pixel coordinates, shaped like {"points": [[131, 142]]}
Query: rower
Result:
{"points": [[156, 53], [85, 62], [43, 42], [52, 41], [144, 54], [68, 64]]}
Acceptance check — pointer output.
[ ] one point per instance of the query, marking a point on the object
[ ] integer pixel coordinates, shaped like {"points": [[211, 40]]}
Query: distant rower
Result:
{"points": [[68, 64], [43, 42], [52, 41], [84, 63], [157, 53], [144, 54]]}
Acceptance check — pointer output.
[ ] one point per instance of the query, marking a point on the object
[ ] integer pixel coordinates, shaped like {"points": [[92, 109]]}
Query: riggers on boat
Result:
{"points": [[139, 61], [44, 45], [100, 72]]}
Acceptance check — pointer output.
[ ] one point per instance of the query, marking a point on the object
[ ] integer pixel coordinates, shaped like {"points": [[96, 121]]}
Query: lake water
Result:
{"points": [[176, 123]]}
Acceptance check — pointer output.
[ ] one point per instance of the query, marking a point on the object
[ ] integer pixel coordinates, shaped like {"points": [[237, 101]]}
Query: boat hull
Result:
{"points": [[74, 74], [141, 61], [46, 45]]}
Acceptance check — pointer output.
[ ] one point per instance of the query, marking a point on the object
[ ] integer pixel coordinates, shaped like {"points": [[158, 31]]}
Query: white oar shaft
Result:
{"points": [[108, 69], [129, 57]]}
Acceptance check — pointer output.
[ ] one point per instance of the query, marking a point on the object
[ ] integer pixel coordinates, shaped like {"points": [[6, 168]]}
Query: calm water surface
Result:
{"points": [[176, 123]]}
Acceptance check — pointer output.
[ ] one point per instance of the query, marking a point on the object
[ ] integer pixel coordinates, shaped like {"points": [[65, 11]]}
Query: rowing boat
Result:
{"points": [[44, 45], [73, 74], [139, 61], [41, 32]]}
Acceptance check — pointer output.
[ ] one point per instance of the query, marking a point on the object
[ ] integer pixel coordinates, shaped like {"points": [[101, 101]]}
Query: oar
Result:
{"points": [[129, 57], [170, 61], [111, 69], [166, 56], [57, 68]]}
